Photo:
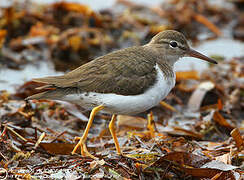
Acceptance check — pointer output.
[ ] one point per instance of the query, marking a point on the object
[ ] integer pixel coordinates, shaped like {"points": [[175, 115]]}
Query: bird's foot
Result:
{"points": [[82, 145]]}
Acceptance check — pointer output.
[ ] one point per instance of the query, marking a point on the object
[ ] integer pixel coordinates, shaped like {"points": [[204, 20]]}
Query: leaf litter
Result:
{"points": [[195, 133]]}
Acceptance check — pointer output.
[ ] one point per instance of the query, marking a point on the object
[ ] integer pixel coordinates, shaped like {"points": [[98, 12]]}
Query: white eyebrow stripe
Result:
{"points": [[169, 40]]}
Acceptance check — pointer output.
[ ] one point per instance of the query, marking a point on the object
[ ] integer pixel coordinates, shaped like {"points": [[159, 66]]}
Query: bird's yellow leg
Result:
{"points": [[113, 133], [82, 139], [150, 126]]}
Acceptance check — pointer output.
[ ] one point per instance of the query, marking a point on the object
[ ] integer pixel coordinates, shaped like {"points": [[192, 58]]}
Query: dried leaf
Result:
{"points": [[184, 75], [217, 117], [203, 20], [58, 148], [183, 158], [220, 104], [236, 135], [39, 29], [3, 34], [75, 42], [211, 173], [202, 172]]}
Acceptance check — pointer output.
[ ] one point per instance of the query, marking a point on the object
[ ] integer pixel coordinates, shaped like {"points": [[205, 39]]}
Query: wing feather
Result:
{"points": [[118, 72]]}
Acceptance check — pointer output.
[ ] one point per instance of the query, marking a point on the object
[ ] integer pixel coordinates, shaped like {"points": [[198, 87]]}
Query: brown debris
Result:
{"points": [[195, 133], [184, 75], [200, 18], [217, 117], [235, 133]]}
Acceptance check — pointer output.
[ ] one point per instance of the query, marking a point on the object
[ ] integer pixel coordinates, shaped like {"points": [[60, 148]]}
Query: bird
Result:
{"points": [[123, 82]]}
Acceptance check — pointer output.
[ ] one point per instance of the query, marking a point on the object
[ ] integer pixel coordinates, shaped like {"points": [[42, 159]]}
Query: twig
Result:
{"points": [[17, 134], [39, 140]]}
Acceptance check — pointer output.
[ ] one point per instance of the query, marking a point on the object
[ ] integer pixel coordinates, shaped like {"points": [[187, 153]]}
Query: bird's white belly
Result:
{"points": [[132, 104]]}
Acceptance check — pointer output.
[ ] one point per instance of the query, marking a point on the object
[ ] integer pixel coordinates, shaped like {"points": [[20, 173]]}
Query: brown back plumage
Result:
{"points": [[113, 73]]}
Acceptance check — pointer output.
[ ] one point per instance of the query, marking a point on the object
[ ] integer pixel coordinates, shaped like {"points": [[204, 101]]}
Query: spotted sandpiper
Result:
{"points": [[125, 82]]}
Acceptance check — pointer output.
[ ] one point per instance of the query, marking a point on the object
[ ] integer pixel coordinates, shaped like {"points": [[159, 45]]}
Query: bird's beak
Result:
{"points": [[198, 55]]}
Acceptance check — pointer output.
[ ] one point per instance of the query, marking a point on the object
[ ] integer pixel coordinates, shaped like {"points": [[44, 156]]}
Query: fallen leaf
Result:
{"points": [[203, 20], [183, 158], [75, 42], [236, 135], [3, 34], [184, 75], [217, 117], [59, 148]]}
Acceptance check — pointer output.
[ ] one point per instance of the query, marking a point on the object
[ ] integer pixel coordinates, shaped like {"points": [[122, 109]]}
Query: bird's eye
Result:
{"points": [[173, 44]]}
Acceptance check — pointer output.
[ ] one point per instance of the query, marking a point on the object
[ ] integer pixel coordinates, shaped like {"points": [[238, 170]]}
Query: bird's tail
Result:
{"points": [[50, 94]]}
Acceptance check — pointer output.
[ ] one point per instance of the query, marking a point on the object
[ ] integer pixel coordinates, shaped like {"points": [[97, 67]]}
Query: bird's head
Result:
{"points": [[174, 46]]}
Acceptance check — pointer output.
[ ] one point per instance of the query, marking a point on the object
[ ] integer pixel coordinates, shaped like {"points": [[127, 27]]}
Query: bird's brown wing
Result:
{"points": [[129, 71]]}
